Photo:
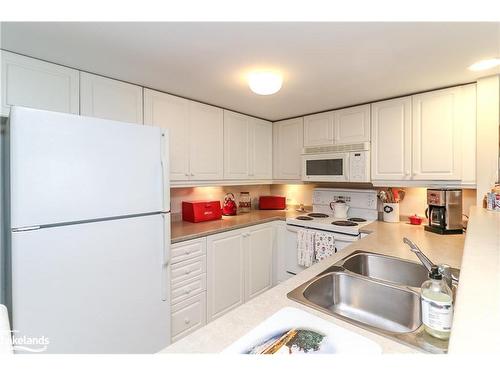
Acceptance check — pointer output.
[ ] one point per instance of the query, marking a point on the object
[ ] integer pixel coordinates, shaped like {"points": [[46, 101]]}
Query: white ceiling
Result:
{"points": [[326, 65]]}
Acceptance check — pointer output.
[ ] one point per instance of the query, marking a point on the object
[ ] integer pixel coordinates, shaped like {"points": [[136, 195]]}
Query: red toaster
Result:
{"points": [[272, 202], [196, 211]]}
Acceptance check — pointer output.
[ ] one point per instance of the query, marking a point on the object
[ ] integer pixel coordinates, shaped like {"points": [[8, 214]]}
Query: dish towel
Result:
{"points": [[324, 245], [305, 247]]}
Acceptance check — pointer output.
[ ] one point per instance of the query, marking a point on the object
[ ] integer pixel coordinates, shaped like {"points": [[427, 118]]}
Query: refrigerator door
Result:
{"points": [[67, 168], [99, 287]]}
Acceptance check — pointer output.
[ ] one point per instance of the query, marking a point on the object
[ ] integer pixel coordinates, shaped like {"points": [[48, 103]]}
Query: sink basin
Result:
{"points": [[386, 268], [385, 307], [377, 292]]}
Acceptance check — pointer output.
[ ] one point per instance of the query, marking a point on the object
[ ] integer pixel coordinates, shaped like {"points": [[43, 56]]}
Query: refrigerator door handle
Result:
{"points": [[165, 263], [165, 172]]}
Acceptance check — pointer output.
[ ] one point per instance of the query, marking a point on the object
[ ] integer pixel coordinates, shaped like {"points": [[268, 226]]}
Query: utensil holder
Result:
{"points": [[391, 212]]}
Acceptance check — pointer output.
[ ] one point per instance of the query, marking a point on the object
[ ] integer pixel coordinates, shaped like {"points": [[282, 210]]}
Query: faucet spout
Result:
{"points": [[420, 255]]}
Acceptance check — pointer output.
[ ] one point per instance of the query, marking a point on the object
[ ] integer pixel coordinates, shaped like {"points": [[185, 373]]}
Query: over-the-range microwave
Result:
{"points": [[338, 163]]}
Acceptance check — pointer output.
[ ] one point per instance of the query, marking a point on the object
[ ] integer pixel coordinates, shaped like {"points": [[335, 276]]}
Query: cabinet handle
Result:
{"points": [[186, 174], [192, 174], [188, 272], [187, 321], [187, 291], [187, 252]]}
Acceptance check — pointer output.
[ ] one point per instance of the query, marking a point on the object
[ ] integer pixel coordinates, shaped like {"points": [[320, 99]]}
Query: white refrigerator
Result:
{"points": [[90, 233]]}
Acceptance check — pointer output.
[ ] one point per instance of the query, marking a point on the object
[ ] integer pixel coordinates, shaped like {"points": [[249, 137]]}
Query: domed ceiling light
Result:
{"points": [[265, 82]]}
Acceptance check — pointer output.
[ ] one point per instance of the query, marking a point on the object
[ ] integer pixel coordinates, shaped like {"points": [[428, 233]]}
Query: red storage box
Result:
{"points": [[272, 202], [196, 211]]}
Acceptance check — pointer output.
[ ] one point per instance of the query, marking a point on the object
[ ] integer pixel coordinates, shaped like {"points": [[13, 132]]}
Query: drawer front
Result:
{"points": [[188, 316], [189, 288], [188, 250], [188, 269]]}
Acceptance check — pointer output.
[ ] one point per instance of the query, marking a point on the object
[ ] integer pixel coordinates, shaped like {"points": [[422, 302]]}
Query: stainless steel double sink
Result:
{"points": [[377, 292]]}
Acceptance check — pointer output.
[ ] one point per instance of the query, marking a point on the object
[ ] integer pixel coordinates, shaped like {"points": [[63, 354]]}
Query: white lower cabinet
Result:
{"points": [[258, 260], [239, 267], [225, 272], [188, 296]]}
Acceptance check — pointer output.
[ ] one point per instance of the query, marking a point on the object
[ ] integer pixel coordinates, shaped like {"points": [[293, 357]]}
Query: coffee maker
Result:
{"points": [[444, 211]]}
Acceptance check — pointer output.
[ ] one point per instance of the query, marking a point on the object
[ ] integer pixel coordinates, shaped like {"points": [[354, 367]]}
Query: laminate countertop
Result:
{"points": [[184, 230], [384, 238]]}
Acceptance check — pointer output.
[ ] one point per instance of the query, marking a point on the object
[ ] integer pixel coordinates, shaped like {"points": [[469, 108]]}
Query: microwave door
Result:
{"points": [[325, 167]]}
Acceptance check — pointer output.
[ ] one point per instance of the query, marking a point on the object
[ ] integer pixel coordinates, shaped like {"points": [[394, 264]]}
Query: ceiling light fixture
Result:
{"points": [[484, 64], [265, 82]]}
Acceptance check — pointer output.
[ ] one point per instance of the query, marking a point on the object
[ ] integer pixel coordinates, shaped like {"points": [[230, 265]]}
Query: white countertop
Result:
{"points": [[386, 238], [476, 321]]}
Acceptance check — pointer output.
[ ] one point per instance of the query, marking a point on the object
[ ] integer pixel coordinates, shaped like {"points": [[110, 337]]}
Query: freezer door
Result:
{"points": [[68, 168], [98, 287]]}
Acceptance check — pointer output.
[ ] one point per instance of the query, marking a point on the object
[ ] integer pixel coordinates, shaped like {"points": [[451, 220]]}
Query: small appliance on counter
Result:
{"points": [[444, 211], [197, 211], [245, 202], [229, 205], [272, 202]]}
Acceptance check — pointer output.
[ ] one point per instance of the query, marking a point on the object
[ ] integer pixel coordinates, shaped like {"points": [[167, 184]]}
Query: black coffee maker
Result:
{"points": [[444, 211]]}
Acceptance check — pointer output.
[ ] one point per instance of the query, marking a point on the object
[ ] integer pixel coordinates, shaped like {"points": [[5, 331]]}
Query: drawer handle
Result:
{"points": [[187, 252], [188, 272], [187, 290], [187, 321]]}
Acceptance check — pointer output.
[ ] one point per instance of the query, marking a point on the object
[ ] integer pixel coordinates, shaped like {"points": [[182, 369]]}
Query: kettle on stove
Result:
{"points": [[229, 205]]}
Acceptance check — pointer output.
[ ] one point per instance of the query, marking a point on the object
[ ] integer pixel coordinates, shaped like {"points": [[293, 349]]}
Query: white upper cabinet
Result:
{"points": [[391, 139], [172, 113], [288, 141], [468, 117], [110, 99], [261, 158], [319, 129], [37, 84], [206, 129], [437, 135], [352, 125], [195, 131], [248, 150], [236, 146]]}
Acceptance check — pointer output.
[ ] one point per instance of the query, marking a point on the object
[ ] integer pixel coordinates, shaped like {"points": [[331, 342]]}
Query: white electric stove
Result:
{"points": [[362, 211]]}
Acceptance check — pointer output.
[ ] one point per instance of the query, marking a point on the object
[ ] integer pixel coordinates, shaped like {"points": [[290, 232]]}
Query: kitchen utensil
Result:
{"points": [[229, 205], [401, 194], [395, 194]]}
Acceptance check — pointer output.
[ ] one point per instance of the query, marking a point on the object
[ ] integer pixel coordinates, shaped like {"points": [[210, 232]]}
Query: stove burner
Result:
{"points": [[344, 223], [317, 214], [357, 219], [304, 218]]}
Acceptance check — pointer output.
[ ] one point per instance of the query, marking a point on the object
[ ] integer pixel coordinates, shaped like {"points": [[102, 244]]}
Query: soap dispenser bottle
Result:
{"points": [[437, 305]]}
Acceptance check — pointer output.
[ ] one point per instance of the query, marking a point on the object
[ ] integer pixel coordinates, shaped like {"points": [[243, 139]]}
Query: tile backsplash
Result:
{"points": [[177, 195]]}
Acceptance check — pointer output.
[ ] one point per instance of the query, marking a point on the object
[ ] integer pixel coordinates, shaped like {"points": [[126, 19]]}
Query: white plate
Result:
{"points": [[337, 340]]}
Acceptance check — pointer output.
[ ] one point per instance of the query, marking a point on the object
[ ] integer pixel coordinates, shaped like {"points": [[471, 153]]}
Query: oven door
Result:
{"points": [[325, 167], [291, 258]]}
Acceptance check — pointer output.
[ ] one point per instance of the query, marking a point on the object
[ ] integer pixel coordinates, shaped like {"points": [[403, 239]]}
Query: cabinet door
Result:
{"points": [[37, 84], [318, 129], [206, 129], [261, 150], [468, 118], [110, 99], [258, 260], [172, 113], [391, 139], [236, 142], [352, 125], [437, 131], [288, 139], [225, 273]]}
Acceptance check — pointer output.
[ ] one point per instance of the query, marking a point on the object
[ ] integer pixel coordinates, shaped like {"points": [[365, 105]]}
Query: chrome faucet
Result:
{"points": [[444, 269]]}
